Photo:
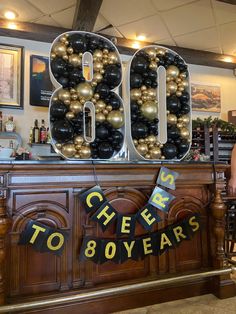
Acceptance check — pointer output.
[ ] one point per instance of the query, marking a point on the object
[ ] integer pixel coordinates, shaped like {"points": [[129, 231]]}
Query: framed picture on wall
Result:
{"points": [[206, 97], [11, 76], [41, 87]]}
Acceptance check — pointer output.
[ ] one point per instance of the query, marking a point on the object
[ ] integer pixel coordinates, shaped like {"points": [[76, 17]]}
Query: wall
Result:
{"points": [[24, 118]]}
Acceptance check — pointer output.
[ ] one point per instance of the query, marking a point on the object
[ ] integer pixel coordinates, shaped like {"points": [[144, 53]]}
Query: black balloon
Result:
{"points": [[169, 58], [173, 132], [102, 132], [169, 151], [139, 64], [153, 128], [62, 131], [94, 42], [136, 80], [78, 42], [58, 67], [76, 75], [117, 136], [152, 75], [183, 147], [134, 106], [185, 109], [184, 97], [103, 90], [64, 81], [173, 104], [112, 76], [58, 109], [105, 150], [139, 130]]}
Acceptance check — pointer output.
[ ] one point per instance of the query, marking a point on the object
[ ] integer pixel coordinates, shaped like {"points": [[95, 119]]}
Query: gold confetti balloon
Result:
{"points": [[68, 150], [172, 71], [116, 118], [85, 91], [149, 110]]}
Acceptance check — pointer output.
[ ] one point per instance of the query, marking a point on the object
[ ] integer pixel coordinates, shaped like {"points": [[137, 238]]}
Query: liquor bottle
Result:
{"points": [[10, 125], [1, 121], [31, 135], [36, 132], [43, 133], [48, 137]]}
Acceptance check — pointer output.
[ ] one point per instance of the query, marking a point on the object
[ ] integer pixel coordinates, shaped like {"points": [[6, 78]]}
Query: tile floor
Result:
{"points": [[206, 304]]}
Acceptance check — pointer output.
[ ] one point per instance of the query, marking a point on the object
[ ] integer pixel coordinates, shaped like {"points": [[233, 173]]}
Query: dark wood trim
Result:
{"points": [[86, 13], [46, 33], [233, 2]]}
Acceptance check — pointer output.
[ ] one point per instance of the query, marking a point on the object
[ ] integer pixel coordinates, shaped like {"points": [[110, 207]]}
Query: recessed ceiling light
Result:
{"points": [[141, 37], [135, 45], [10, 15], [228, 59], [11, 25]]}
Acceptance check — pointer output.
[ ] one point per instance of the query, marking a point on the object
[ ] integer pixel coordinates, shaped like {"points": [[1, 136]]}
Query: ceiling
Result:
{"points": [[207, 25]]}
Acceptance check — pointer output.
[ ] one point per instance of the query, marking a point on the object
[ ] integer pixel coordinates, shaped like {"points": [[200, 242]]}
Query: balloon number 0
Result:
{"points": [[88, 120]]}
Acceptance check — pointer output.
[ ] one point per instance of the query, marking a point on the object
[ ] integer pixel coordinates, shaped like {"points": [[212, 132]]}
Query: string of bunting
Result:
{"points": [[119, 250]]}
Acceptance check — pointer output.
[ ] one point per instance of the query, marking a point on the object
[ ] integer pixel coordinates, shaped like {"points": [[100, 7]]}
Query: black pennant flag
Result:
{"points": [[105, 215], [125, 225], [147, 217], [92, 199]]}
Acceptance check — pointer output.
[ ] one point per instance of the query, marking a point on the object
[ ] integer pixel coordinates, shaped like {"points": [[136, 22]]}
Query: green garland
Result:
{"points": [[216, 122]]}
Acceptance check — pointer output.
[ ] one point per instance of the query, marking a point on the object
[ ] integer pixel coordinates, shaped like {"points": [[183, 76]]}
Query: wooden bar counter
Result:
{"points": [[48, 192]]}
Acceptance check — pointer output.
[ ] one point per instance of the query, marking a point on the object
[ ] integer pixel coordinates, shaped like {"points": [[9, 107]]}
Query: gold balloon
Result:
{"points": [[84, 91], [97, 66], [149, 110], [179, 125], [140, 102], [178, 80], [113, 57], [77, 156], [96, 96], [178, 93], [64, 95], [97, 77], [63, 39], [185, 83], [59, 49], [151, 139], [181, 88], [53, 55], [183, 75], [151, 52], [105, 51], [142, 149], [171, 87], [77, 147], [135, 142], [76, 106], [155, 153], [116, 119], [141, 140], [168, 78], [70, 50], [171, 119], [172, 71], [160, 51], [109, 108], [75, 60], [70, 115], [147, 156], [185, 119], [78, 140], [153, 65], [152, 93], [85, 152], [100, 104], [73, 96], [100, 117], [135, 94], [143, 88], [98, 54], [105, 112], [58, 145], [184, 133], [68, 150]]}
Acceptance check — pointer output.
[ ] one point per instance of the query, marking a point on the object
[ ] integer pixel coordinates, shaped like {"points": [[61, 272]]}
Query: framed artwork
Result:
{"points": [[11, 76], [41, 87], [205, 97]]}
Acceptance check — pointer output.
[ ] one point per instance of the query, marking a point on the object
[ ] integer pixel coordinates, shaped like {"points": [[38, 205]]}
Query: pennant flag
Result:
{"points": [[110, 251], [105, 215], [129, 249], [92, 199], [167, 178], [90, 249], [161, 199], [55, 241], [125, 225], [147, 217]]}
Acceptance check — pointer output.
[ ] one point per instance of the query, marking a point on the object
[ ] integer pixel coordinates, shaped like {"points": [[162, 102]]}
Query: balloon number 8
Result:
{"points": [[87, 118]]}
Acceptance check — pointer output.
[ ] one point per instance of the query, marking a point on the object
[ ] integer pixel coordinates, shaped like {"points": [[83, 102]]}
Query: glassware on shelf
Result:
{"points": [[10, 125]]}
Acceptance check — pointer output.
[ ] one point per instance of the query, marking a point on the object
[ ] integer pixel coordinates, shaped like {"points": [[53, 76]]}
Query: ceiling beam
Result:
{"points": [[86, 13], [233, 2], [44, 33]]}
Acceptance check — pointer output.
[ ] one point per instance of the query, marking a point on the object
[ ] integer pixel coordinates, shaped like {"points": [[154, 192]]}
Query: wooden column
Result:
{"points": [[222, 285], [5, 223]]}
